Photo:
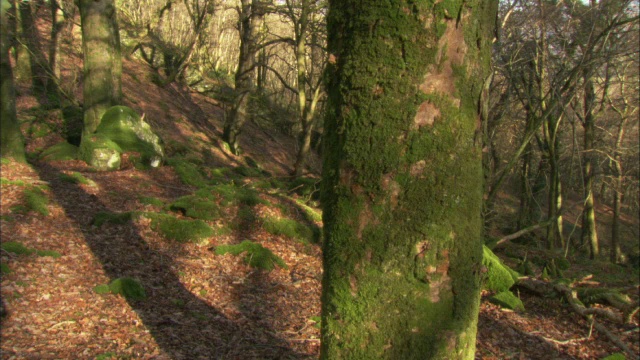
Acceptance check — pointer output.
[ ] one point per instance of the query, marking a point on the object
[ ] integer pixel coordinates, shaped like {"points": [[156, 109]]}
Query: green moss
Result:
{"points": [[310, 213], [5, 181], [180, 230], [507, 299], [149, 200], [222, 231], [248, 172], [292, 229], [100, 152], [107, 356], [4, 269], [113, 125], [590, 296], [256, 255], [16, 248], [129, 288], [37, 200], [5, 161], [51, 253], [233, 195], [305, 186], [114, 218], [616, 356], [102, 289], [60, 151], [196, 207], [77, 178], [499, 277], [189, 173]]}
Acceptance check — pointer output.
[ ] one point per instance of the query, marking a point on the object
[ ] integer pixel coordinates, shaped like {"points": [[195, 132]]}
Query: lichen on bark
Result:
{"points": [[402, 188]]}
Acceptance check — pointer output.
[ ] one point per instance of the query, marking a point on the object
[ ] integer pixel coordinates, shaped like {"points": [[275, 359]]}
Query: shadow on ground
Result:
{"points": [[192, 330]]}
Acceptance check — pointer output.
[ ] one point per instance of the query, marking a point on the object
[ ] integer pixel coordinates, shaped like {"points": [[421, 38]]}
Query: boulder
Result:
{"points": [[100, 152], [125, 127]]}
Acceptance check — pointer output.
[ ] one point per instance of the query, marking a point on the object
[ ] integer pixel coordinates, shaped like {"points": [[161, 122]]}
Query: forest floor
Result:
{"points": [[201, 305]]}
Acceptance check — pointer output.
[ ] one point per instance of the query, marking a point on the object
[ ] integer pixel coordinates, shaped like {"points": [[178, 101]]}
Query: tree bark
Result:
{"points": [[43, 82], [11, 144], [250, 19], [402, 178], [589, 233], [102, 60]]}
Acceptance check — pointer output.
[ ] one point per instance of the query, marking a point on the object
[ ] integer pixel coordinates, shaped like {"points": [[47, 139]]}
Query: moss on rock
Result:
{"points": [[126, 128], [100, 152], [498, 277], [507, 299]]}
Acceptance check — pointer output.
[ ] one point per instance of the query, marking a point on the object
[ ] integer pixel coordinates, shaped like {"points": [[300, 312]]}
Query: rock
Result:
{"points": [[100, 152], [126, 128]]}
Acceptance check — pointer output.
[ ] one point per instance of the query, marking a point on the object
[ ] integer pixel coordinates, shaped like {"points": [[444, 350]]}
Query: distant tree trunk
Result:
{"points": [[58, 24], [589, 233], [402, 178], [250, 19], [615, 253], [304, 140], [102, 60], [43, 82], [11, 142]]}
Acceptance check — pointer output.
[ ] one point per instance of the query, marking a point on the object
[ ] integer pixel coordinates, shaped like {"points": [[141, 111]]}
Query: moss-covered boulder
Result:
{"points": [[126, 128], [498, 277], [100, 152], [508, 300]]}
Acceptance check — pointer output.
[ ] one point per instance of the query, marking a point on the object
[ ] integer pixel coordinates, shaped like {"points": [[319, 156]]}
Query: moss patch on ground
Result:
{"points": [[149, 200], [196, 207], [19, 249], [60, 151], [125, 286], [37, 200], [5, 181], [180, 230], [292, 229], [77, 178], [256, 255], [188, 172]]}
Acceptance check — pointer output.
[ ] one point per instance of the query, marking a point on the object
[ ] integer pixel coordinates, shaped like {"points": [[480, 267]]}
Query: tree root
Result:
{"points": [[571, 296]]}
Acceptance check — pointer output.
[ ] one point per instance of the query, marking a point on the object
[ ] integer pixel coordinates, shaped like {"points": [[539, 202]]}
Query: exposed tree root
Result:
{"points": [[570, 294]]}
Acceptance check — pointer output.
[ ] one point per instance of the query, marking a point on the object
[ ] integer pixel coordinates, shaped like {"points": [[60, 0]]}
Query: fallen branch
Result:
{"points": [[571, 296], [526, 230]]}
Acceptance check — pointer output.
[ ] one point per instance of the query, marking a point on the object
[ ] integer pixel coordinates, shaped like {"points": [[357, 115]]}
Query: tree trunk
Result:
{"points": [[102, 60], [304, 141], [11, 144], [402, 178], [250, 19], [615, 253], [43, 83], [589, 233]]}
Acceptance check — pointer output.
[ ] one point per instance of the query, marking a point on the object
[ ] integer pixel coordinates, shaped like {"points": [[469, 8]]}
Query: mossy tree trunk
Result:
{"points": [[251, 15], [11, 142], [402, 178], [102, 60]]}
